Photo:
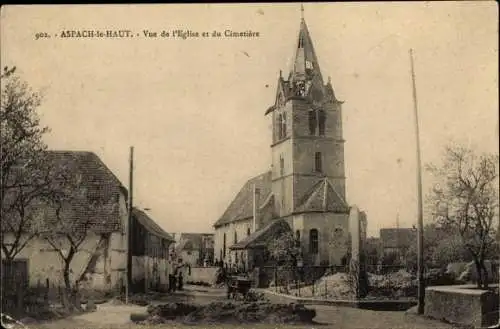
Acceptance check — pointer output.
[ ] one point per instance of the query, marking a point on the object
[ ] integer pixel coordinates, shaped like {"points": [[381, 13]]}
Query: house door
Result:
{"points": [[15, 281]]}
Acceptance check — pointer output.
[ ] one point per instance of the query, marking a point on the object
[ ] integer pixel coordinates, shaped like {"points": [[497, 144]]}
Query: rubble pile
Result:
{"points": [[337, 286], [400, 279], [171, 310], [141, 299], [254, 296], [262, 312], [228, 312], [396, 285], [333, 286]]}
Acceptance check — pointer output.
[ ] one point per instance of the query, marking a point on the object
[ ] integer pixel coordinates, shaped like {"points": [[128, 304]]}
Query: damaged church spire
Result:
{"points": [[305, 74]]}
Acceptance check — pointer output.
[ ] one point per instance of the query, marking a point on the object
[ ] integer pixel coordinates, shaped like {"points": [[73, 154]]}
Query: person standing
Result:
{"points": [[174, 279], [170, 281], [180, 279]]}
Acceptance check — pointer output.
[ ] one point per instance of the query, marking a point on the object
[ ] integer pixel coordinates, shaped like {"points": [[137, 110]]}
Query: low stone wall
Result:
{"points": [[374, 305], [462, 305], [202, 274]]}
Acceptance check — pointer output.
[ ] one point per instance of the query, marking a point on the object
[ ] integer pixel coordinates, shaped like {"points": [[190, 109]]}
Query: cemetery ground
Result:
{"points": [[117, 315]]}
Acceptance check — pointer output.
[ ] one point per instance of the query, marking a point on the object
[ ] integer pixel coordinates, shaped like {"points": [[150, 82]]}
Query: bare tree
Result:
{"points": [[466, 200], [24, 175], [20, 223], [73, 214]]}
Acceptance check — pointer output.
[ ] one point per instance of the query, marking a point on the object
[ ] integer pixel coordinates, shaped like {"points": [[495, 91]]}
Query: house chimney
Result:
{"points": [[256, 198]]}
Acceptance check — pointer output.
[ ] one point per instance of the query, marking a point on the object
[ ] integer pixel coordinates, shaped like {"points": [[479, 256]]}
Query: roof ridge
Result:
{"points": [[258, 176], [309, 193], [335, 191], [270, 195], [69, 151], [109, 171], [151, 224], [239, 207]]}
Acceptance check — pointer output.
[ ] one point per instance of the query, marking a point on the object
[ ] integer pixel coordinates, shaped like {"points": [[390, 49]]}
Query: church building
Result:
{"points": [[304, 190]]}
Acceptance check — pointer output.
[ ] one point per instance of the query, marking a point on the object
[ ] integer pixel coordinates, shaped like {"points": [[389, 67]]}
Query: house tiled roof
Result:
{"points": [[96, 185], [397, 237], [242, 205], [262, 236], [150, 225], [323, 197]]}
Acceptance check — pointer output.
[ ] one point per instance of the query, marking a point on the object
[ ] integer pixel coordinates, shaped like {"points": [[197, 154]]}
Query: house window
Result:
{"points": [[248, 231], [297, 238], [224, 246], [321, 122], [282, 165], [235, 236], [318, 165], [312, 122], [313, 241]]}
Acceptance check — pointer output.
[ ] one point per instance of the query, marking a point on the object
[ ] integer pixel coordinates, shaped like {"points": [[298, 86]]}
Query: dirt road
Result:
{"points": [[118, 316]]}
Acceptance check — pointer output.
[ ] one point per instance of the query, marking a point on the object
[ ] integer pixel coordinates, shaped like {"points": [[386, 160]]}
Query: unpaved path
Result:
{"points": [[108, 313], [111, 316]]}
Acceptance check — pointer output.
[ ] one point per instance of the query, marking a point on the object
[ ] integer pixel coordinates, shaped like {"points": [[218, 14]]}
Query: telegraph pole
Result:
{"points": [[129, 223], [420, 221]]}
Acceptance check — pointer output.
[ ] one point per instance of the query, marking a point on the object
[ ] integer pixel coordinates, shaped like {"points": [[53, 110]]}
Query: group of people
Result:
{"points": [[232, 268]]}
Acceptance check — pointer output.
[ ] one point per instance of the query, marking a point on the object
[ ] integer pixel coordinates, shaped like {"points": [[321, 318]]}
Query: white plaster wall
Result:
{"points": [[240, 227], [325, 223], [44, 262]]}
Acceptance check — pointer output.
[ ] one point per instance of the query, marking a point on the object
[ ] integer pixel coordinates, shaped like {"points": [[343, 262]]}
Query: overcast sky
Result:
{"points": [[194, 109]]}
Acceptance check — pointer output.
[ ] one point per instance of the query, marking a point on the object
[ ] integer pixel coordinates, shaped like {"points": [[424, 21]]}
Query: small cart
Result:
{"points": [[238, 286]]}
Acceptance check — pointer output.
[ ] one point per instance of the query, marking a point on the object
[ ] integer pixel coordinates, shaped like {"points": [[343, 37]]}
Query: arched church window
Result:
{"points": [[235, 236], [301, 42], [248, 231], [312, 122], [283, 125], [313, 241], [297, 238], [318, 162], [321, 122], [279, 125]]}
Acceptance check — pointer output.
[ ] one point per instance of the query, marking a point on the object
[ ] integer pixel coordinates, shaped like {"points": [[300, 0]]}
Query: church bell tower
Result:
{"points": [[307, 142]]}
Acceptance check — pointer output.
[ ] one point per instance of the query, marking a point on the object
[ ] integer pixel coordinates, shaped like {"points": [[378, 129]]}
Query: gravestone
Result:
{"points": [[357, 268]]}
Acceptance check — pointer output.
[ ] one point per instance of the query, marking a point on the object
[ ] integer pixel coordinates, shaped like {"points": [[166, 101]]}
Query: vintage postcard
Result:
{"points": [[250, 165]]}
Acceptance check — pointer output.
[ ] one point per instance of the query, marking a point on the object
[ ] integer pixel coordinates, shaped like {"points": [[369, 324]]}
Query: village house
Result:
{"points": [[101, 259], [195, 249], [304, 190], [397, 240], [150, 244], [100, 263]]}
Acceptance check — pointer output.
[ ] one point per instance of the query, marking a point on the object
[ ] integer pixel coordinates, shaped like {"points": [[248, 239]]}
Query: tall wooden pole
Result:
{"points": [[420, 220], [129, 223]]}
